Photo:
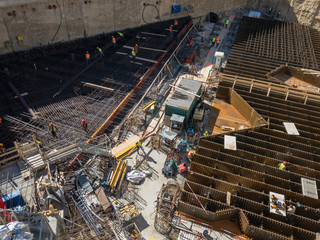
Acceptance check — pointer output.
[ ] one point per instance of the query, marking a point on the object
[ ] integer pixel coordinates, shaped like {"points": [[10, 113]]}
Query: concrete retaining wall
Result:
{"points": [[40, 22]]}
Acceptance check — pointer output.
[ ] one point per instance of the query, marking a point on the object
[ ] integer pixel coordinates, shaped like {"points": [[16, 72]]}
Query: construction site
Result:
{"points": [[185, 120]]}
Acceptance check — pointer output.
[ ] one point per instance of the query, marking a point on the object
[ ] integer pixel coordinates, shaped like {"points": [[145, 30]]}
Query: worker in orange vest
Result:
{"points": [[175, 22], [88, 57], [114, 41], [218, 41], [170, 30], [136, 47], [2, 149], [84, 125], [191, 42], [202, 37], [0, 121]]}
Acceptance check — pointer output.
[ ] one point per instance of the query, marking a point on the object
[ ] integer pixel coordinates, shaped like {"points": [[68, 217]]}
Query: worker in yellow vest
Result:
{"points": [[190, 155], [133, 53], [53, 129], [282, 166], [206, 134]]}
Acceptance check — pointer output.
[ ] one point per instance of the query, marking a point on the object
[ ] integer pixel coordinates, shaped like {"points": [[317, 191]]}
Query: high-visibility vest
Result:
{"points": [[206, 134], [270, 9], [282, 166], [113, 40], [175, 22], [139, 144], [120, 34], [136, 47], [218, 40], [191, 42], [84, 124], [100, 50], [52, 128], [87, 55], [133, 53], [213, 40], [170, 28], [203, 34], [227, 22]]}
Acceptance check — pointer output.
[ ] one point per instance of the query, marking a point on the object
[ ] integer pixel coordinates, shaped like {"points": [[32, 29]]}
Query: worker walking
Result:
{"points": [[139, 145], [206, 134], [114, 41], [120, 34], [218, 41], [84, 125], [101, 52], [282, 166], [202, 36], [133, 53], [227, 23], [53, 129], [88, 58], [213, 41]]}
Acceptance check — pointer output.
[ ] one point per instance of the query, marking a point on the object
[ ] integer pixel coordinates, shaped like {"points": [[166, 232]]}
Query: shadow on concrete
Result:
{"points": [[141, 223]]}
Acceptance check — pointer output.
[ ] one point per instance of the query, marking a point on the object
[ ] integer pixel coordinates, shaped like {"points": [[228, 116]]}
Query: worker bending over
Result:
{"points": [[282, 166], [84, 125], [101, 52], [88, 58], [120, 34], [206, 134], [53, 129]]}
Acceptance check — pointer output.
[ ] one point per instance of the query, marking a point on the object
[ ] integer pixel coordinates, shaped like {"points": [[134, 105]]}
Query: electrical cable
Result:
{"points": [[146, 5], [59, 23]]}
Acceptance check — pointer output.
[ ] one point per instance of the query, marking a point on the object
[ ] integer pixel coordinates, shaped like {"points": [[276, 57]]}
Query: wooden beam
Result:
{"points": [[97, 86]]}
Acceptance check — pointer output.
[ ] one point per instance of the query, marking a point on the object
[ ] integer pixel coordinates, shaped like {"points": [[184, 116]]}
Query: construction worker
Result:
{"points": [[227, 23], [218, 41], [282, 166], [206, 134], [295, 85], [170, 30], [190, 155], [0, 121], [175, 23], [202, 36], [213, 40], [133, 53], [120, 34], [84, 125], [139, 145], [53, 129], [39, 144], [191, 42], [136, 47], [114, 41], [88, 58], [270, 10], [2, 149], [279, 12], [101, 52]]}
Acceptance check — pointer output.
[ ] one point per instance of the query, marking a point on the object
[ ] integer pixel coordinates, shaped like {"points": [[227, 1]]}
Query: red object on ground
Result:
{"points": [[182, 168]]}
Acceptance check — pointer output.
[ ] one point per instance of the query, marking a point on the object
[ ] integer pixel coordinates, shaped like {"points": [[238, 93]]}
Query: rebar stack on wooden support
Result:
{"points": [[240, 180]]}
